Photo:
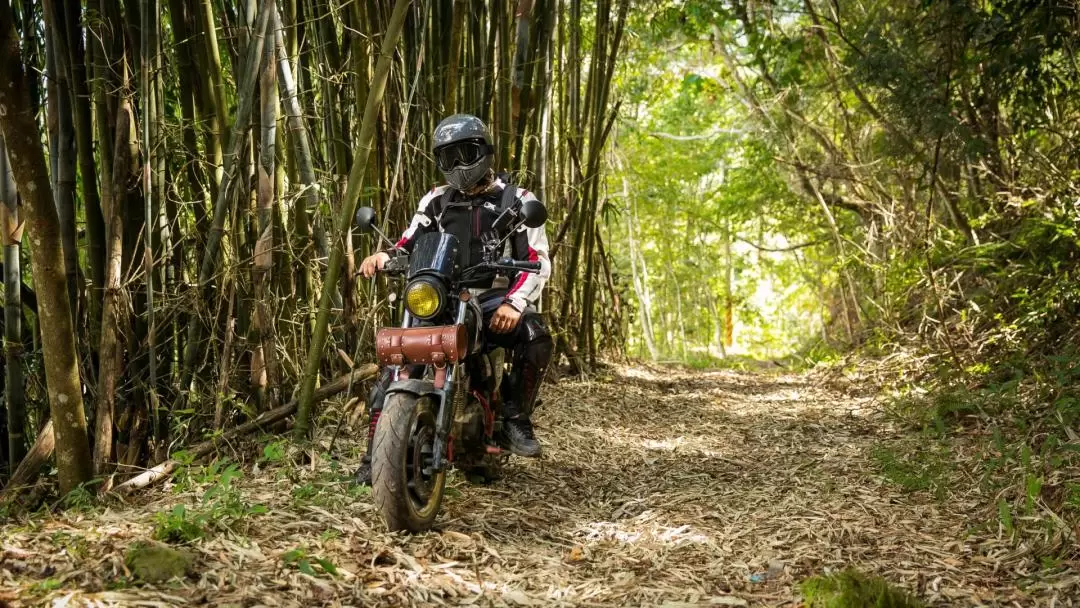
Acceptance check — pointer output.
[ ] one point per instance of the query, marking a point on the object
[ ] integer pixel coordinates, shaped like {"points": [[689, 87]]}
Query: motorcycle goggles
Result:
{"points": [[461, 154]]}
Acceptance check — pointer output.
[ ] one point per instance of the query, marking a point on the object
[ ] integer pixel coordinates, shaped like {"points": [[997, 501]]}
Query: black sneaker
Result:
{"points": [[363, 474], [518, 437]]}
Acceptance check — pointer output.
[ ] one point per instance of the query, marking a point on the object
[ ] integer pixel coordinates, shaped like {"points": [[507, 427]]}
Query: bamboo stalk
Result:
{"points": [[209, 262], [150, 20], [344, 220], [64, 176], [11, 238], [115, 307], [308, 201], [264, 246]]}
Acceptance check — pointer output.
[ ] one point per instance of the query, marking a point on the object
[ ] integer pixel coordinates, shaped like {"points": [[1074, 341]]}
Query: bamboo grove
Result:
{"points": [[180, 176]]}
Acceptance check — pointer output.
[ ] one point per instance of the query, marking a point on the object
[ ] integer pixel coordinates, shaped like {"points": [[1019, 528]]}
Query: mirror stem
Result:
{"points": [[385, 239]]}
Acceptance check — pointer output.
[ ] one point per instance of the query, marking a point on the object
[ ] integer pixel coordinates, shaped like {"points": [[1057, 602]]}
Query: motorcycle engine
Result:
{"points": [[469, 421]]}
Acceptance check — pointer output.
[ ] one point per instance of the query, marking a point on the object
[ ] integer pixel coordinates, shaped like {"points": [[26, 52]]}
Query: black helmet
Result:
{"points": [[463, 150]]}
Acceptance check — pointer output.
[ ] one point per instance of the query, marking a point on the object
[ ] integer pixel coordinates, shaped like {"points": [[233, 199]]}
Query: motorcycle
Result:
{"points": [[441, 407]]}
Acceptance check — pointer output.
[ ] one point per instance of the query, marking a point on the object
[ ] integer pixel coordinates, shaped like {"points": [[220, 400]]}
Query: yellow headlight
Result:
{"points": [[422, 299]]}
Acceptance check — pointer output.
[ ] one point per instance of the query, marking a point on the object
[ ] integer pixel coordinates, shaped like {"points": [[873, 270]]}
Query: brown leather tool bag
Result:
{"points": [[439, 345]]}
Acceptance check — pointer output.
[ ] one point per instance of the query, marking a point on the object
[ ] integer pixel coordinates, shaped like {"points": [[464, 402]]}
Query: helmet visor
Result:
{"points": [[460, 154]]}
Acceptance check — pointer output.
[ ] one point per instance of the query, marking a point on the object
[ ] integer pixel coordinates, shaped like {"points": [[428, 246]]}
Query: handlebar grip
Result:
{"points": [[520, 264]]}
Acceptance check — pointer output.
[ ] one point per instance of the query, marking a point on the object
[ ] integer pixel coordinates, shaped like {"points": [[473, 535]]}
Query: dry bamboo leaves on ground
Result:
{"points": [[656, 489]]}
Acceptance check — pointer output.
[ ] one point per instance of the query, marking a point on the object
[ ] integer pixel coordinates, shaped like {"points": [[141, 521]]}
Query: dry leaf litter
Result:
{"points": [[657, 488]]}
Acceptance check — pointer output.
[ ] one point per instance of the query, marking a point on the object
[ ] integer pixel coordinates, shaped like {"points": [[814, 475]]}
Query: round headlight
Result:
{"points": [[422, 299]]}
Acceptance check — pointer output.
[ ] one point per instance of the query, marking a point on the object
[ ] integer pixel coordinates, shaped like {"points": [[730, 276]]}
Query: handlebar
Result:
{"points": [[512, 264], [399, 265]]}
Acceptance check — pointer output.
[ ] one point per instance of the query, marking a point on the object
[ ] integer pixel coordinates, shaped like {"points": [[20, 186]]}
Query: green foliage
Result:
{"points": [[47, 585], [81, 498], [275, 451], [330, 489], [1005, 517], [701, 190], [852, 589], [947, 407], [916, 467], [302, 561], [179, 525], [1010, 425], [220, 509]]}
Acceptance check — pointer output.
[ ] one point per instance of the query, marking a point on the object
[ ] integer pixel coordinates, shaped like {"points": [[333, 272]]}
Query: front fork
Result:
{"points": [[444, 419]]}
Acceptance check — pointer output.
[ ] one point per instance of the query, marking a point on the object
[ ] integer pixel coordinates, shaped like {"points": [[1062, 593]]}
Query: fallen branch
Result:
{"points": [[781, 249], [273, 416], [28, 469], [710, 135]]}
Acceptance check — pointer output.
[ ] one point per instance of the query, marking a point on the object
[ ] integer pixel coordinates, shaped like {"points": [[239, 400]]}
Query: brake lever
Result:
{"points": [[392, 267]]}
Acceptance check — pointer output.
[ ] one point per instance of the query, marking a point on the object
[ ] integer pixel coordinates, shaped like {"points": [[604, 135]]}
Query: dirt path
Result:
{"points": [[709, 489]]}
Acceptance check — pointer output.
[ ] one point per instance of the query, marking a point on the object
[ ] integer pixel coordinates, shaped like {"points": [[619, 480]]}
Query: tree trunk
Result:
{"points": [[47, 261], [729, 288]]}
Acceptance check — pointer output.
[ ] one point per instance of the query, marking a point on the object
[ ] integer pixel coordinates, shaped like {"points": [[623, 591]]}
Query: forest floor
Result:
{"points": [[657, 488]]}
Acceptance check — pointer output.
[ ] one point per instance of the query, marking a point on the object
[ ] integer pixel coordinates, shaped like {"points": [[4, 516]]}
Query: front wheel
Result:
{"points": [[405, 487]]}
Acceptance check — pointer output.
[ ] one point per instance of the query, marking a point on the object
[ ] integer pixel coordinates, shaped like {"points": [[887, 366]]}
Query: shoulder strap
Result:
{"points": [[509, 192], [444, 200]]}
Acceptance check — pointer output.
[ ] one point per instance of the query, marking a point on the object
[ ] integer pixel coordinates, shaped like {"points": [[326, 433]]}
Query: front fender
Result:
{"points": [[418, 388]]}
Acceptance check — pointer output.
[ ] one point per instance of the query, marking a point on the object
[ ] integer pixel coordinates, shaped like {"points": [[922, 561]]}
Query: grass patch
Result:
{"points": [[852, 589], [948, 408], [916, 468], [1009, 424]]}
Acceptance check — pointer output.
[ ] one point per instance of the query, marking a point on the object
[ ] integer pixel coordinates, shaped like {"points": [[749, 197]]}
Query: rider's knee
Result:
{"points": [[534, 328]]}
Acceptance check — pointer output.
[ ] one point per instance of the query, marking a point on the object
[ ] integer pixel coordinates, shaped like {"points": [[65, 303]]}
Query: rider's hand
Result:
{"points": [[374, 263], [505, 319]]}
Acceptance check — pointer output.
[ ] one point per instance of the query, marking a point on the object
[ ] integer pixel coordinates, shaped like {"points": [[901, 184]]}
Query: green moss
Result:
{"points": [[155, 562], [852, 589]]}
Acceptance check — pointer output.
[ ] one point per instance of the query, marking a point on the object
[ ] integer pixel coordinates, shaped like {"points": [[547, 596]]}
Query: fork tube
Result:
{"points": [[462, 307], [444, 418]]}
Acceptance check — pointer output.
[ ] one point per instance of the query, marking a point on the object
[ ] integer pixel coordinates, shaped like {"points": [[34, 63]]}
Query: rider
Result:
{"points": [[467, 207]]}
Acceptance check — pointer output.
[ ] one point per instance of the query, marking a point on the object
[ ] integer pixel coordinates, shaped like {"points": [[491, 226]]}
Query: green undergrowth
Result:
{"points": [[303, 560], [852, 589], [1005, 434], [220, 508], [916, 467]]}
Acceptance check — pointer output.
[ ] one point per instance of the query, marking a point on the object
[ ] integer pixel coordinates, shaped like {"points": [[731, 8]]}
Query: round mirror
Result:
{"points": [[365, 219], [534, 212]]}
